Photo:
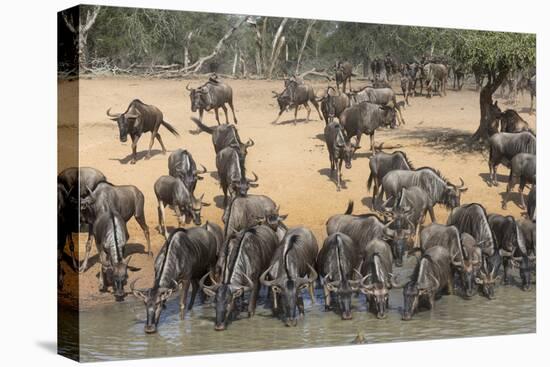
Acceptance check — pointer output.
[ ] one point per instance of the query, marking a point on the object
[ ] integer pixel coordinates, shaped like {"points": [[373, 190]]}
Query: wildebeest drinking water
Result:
{"points": [[339, 149], [291, 270], [247, 256], [182, 165], [184, 258], [140, 118], [126, 200], [212, 95]]}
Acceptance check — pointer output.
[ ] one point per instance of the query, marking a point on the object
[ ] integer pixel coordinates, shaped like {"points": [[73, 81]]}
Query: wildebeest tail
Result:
{"points": [[170, 128], [202, 126], [349, 210], [370, 180]]}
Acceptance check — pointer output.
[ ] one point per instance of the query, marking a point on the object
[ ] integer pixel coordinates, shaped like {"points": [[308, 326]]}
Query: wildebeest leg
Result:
{"points": [[371, 136], [194, 290], [349, 85], [225, 111], [278, 116], [84, 265], [102, 259], [152, 141], [300, 303], [339, 174], [295, 114], [308, 109], [274, 297], [181, 217], [183, 297], [520, 190], [311, 293], [509, 187], [162, 223], [134, 149], [326, 293], [316, 105], [140, 218], [230, 103], [71, 248], [217, 115], [506, 265], [253, 298], [161, 143], [432, 215]]}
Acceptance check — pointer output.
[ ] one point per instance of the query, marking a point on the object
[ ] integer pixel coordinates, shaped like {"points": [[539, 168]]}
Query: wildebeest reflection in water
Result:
{"points": [[511, 312]]}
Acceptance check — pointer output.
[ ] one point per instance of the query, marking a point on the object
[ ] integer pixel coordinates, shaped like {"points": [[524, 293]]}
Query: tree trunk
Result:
{"points": [[81, 31], [304, 43], [275, 57], [485, 102], [235, 60]]}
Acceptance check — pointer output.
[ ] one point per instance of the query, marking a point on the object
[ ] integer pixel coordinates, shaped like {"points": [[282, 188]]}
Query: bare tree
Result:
{"points": [[81, 30], [277, 44], [304, 43]]}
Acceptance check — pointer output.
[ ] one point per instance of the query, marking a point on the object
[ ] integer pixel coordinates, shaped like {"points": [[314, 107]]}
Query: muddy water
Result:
{"points": [[116, 331]]}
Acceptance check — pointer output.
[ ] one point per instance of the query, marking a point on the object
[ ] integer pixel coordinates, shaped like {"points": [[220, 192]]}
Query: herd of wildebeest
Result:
{"points": [[256, 248]]}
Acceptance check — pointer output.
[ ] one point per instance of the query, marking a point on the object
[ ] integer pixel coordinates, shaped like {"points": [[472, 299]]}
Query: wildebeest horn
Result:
{"points": [[250, 283], [208, 289], [187, 87], [311, 277], [114, 115], [255, 178], [461, 187], [267, 283], [249, 143], [204, 170], [275, 94]]}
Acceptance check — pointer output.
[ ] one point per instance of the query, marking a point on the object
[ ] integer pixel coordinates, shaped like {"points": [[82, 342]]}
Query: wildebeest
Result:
{"points": [[381, 163], [365, 118], [532, 203], [111, 235], [212, 95], [511, 122], [337, 264], [462, 256], [384, 96], [504, 146], [333, 104], [532, 86], [407, 85], [343, 74], [376, 67], [431, 276], [339, 149], [436, 74], [439, 189], [523, 168], [224, 136], [291, 270], [416, 73], [182, 165], [187, 254], [296, 94], [126, 200], [244, 212], [140, 118], [247, 256], [67, 223], [172, 192], [472, 219], [232, 174], [529, 229], [77, 181], [511, 244], [377, 272]]}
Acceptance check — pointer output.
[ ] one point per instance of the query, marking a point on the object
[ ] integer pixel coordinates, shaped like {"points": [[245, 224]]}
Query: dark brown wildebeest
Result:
{"points": [[296, 93], [212, 95], [343, 74], [524, 168], [140, 118], [339, 149], [182, 165]]}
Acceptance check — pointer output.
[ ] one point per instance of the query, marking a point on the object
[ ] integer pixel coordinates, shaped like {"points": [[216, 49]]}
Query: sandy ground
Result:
{"points": [[290, 160]]}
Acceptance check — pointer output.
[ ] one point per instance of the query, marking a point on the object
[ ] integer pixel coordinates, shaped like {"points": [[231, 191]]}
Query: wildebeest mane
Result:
{"points": [[404, 156], [479, 229], [161, 271]]}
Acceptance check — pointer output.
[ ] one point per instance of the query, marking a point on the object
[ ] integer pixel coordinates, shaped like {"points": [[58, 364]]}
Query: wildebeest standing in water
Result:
{"points": [[212, 95], [504, 146], [126, 200], [431, 277], [377, 272], [230, 163], [365, 118], [524, 168], [381, 163], [140, 118], [337, 264], [291, 271], [473, 220], [184, 258], [511, 244], [339, 149], [111, 235], [247, 256], [182, 165], [343, 74], [224, 136], [296, 93], [439, 189], [172, 192]]}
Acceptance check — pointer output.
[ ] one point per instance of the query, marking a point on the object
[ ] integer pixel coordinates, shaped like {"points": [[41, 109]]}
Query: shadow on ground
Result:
{"points": [[444, 140]]}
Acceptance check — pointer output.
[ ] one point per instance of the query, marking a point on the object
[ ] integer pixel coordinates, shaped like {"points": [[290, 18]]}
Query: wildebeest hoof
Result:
{"points": [[504, 206], [133, 161], [147, 157]]}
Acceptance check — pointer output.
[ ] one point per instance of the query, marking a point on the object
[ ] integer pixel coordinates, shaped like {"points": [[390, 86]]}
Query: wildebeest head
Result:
{"points": [[494, 115], [193, 209], [451, 194], [241, 185], [468, 268], [348, 149], [87, 211], [288, 290], [375, 287], [283, 99], [125, 121], [273, 220], [344, 289], [411, 294], [398, 233], [224, 298], [424, 283], [117, 275], [190, 178], [154, 299], [199, 98], [487, 277]]}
